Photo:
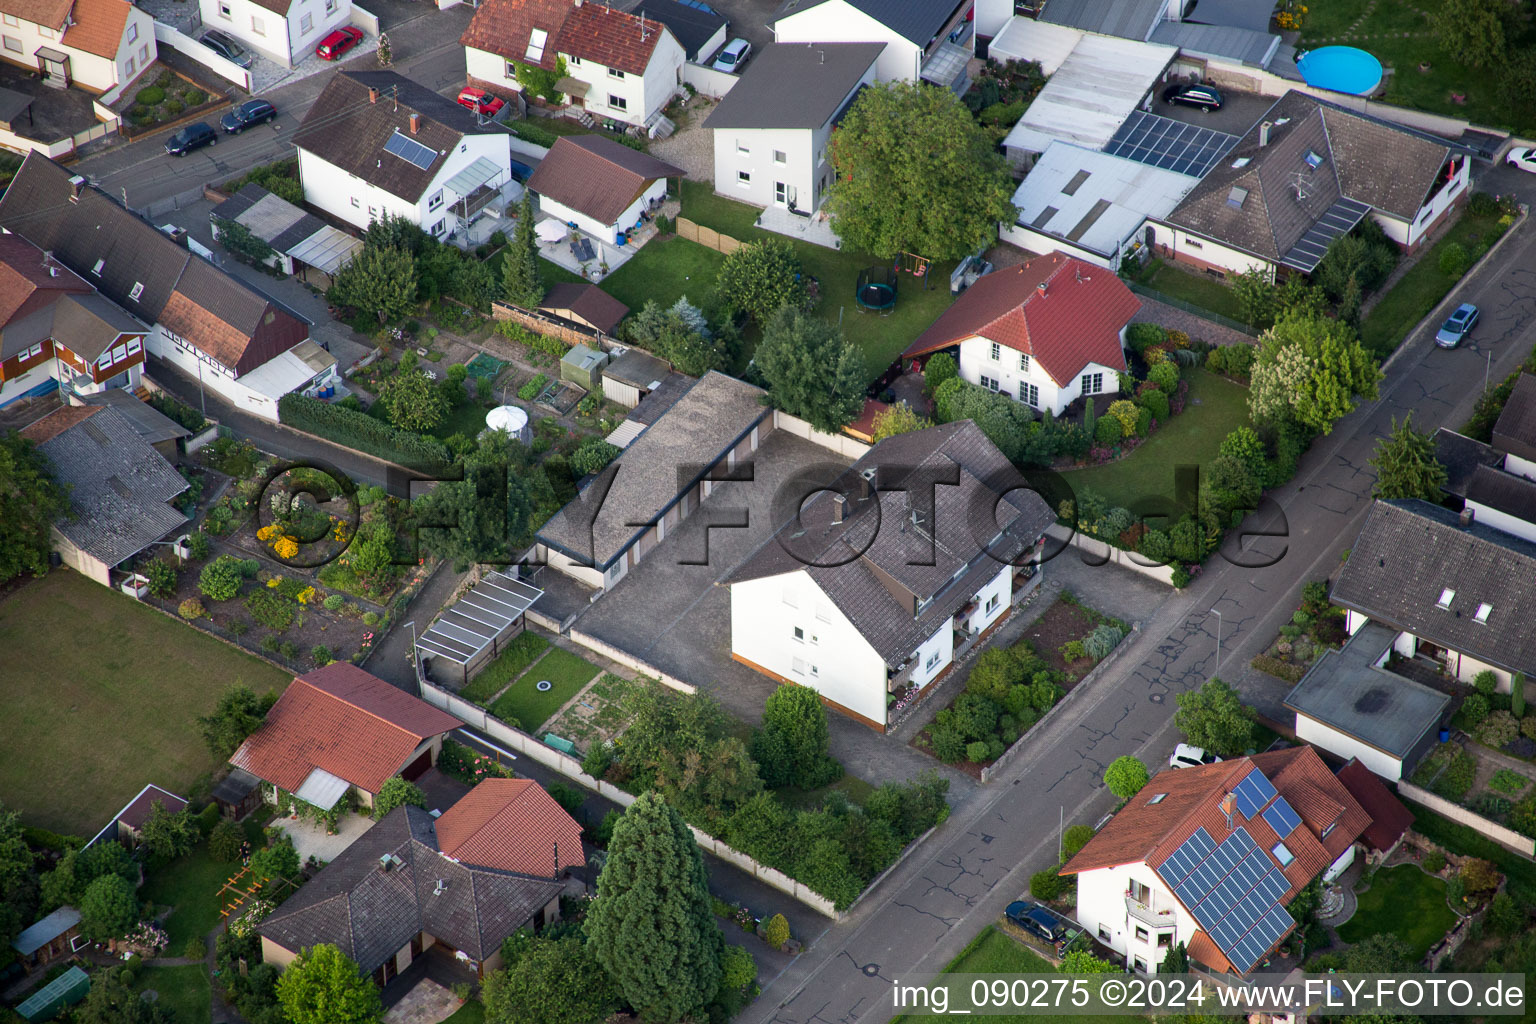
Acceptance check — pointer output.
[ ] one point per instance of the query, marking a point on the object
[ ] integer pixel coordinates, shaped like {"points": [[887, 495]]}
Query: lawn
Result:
{"points": [[191, 884], [1405, 901], [993, 952], [472, 1012], [102, 697], [524, 649], [526, 705], [880, 338], [851, 786], [665, 271], [549, 272], [184, 990], [1401, 37], [467, 418], [1417, 291], [1196, 289], [1216, 407]]}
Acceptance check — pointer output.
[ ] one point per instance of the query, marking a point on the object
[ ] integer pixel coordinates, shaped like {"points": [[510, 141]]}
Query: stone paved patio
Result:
{"points": [[310, 839], [426, 1003]]}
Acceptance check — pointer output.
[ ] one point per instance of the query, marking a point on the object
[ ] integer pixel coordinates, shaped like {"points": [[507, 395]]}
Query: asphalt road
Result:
{"points": [[982, 858]]}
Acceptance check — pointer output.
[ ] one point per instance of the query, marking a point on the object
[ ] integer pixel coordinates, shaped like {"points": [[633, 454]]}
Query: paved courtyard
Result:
{"points": [[311, 840]]}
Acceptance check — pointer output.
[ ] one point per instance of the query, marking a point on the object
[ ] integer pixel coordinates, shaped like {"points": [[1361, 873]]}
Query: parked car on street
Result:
{"points": [[227, 48], [481, 102], [733, 56], [1186, 756], [1523, 158], [338, 43], [1203, 96], [1457, 326], [1036, 920], [252, 112], [193, 136]]}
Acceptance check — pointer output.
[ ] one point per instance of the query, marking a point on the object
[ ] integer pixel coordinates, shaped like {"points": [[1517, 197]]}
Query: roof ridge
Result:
{"points": [[371, 714]]}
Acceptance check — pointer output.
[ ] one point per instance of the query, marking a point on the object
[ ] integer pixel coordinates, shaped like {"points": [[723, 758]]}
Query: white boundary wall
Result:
{"points": [[179, 41], [842, 444], [1103, 552], [708, 81], [1493, 830]]}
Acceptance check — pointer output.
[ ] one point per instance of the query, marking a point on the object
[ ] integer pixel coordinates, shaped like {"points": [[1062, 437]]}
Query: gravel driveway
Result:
{"points": [[692, 146]]}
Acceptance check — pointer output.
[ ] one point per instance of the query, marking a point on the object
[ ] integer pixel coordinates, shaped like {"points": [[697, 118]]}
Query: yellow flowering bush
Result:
{"points": [[275, 582], [268, 532], [286, 547], [306, 595]]}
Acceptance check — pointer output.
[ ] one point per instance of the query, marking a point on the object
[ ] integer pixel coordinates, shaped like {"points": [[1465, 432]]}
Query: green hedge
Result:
{"points": [[537, 134], [360, 431]]}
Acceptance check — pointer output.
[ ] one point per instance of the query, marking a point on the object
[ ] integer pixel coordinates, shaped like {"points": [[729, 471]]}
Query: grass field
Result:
{"points": [[1418, 290], [526, 705], [1405, 901], [851, 786], [1216, 407], [1195, 288], [665, 271], [509, 664], [184, 990], [102, 697], [472, 1012]]}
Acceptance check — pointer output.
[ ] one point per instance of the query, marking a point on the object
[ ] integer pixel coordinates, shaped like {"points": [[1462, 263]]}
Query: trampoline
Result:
{"points": [[876, 289]]}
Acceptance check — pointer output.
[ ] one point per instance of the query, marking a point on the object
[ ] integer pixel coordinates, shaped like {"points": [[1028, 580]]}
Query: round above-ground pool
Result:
{"points": [[1346, 69]]}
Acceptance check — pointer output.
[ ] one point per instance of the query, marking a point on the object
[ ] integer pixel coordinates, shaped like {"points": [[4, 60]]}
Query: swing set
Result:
{"points": [[917, 266]]}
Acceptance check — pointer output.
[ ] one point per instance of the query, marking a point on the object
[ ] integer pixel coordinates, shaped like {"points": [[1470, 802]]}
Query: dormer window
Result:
{"points": [[1483, 611], [536, 40], [97, 268], [1446, 597], [138, 289]]}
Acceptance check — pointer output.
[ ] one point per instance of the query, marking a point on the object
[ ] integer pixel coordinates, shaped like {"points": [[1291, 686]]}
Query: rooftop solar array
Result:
{"points": [[1282, 817], [410, 151], [1171, 145], [1339, 219], [1233, 889], [1253, 793]]}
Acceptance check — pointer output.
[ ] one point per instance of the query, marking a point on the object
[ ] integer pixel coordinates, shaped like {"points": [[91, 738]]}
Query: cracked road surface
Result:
{"points": [[932, 905]]}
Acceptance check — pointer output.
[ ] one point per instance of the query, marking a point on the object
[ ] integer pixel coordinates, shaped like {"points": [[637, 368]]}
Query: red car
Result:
{"points": [[481, 102], [338, 43]]}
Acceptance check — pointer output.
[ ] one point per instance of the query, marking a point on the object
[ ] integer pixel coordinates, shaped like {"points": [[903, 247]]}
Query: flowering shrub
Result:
{"points": [[285, 547], [463, 763], [275, 582], [148, 939], [266, 533], [306, 595]]}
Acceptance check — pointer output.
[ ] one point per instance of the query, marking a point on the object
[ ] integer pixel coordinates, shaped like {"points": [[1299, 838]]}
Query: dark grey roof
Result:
{"points": [[1241, 44], [1346, 691], [1460, 455], [150, 423], [1509, 493], [253, 207], [119, 487], [1128, 19], [85, 323], [692, 27], [1253, 15], [673, 386], [235, 786], [1271, 219], [1515, 431], [879, 565], [38, 935], [916, 20], [794, 85], [638, 367], [371, 913], [643, 482], [1409, 552]]}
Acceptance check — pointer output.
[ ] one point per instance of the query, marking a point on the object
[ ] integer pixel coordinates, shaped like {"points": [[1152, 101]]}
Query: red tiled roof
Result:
{"points": [[596, 176], [589, 31], [1204, 949], [58, 421], [863, 428], [137, 811], [25, 283], [511, 825], [98, 26], [1075, 320], [342, 720], [1389, 818], [504, 26]]}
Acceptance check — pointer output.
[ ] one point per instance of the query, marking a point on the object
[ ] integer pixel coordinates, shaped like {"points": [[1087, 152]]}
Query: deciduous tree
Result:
{"points": [[1125, 776], [651, 926], [112, 1000], [108, 908], [238, 713], [485, 516], [277, 860], [811, 370], [323, 986], [521, 283], [1474, 31], [552, 982], [758, 278], [1405, 464], [915, 173], [413, 401], [1309, 370], [898, 419], [166, 833], [30, 501], [792, 746], [1215, 719], [381, 279], [397, 792]]}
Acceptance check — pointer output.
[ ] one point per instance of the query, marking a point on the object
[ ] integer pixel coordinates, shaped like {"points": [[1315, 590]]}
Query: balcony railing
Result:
{"points": [[1158, 917]]}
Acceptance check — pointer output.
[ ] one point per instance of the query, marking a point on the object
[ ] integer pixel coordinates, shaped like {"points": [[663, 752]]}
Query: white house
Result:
{"points": [[94, 44], [1155, 875], [929, 40], [283, 31], [600, 185], [1305, 174], [234, 340], [881, 582], [771, 131], [613, 64], [1514, 434], [1046, 332], [375, 143]]}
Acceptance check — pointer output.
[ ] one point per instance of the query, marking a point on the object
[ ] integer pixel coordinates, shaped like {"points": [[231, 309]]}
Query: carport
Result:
{"points": [[473, 631]]}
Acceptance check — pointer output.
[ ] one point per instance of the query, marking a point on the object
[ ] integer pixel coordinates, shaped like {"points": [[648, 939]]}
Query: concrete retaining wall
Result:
{"points": [[1493, 830], [170, 35], [842, 444], [625, 658], [708, 81], [1101, 552]]}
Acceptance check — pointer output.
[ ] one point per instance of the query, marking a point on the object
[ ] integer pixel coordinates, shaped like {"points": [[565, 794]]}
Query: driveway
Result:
{"points": [[1239, 111]]}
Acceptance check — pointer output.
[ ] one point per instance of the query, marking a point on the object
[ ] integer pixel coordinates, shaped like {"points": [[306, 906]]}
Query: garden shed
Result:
{"points": [[584, 366], [632, 375], [475, 629], [237, 794], [49, 938], [65, 990]]}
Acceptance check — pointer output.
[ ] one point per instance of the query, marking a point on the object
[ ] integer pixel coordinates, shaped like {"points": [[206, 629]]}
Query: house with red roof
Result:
{"points": [[1046, 332], [97, 45], [339, 728], [511, 825], [1211, 856], [611, 64]]}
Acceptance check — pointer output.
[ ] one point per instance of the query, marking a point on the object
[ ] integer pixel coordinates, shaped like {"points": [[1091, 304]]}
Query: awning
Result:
{"points": [[322, 789], [551, 230], [572, 87], [472, 177], [12, 105], [471, 625], [50, 55], [327, 250], [625, 432]]}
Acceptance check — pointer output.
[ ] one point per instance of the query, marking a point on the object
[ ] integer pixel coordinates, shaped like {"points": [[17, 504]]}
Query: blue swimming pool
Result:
{"points": [[1342, 69]]}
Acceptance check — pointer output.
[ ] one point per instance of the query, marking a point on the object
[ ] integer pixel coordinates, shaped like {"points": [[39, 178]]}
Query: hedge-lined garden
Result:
{"points": [[355, 429]]}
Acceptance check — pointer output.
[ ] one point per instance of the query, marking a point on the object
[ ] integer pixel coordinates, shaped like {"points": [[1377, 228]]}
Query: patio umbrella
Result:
{"points": [[550, 230]]}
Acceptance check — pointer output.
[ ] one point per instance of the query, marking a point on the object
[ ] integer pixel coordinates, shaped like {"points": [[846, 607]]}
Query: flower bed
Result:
{"points": [[1316, 626]]}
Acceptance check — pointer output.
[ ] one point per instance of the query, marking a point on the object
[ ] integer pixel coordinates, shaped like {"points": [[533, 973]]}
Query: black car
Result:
{"points": [[1036, 920], [193, 136], [227, 48], [251, 112], [1203, 96]]}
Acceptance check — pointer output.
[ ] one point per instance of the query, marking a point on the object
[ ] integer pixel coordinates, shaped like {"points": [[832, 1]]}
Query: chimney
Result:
{"points": [[76, 186], [415, 123], [1264, 132], [373, 95], [578, 3], [1227, 803], [1041, 287], [1467, 515], [839, 507]]}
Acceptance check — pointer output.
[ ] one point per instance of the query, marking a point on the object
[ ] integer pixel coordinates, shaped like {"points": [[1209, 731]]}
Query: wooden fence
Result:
{"points": [[538, 322], [706, 236]]}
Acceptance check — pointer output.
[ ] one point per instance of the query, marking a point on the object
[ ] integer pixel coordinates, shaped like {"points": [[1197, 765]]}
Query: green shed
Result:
{"points": [[65, 990], [584, 366]]}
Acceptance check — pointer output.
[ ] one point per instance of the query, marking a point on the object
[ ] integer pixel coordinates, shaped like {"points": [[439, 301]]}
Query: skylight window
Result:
{"points": [[1282, 854], [1236, 196], [1241, 161], [536, 40], [1313, 160], [138, 289], [1159, 798], [1446, 597], [97, 268], [1483, 611]]}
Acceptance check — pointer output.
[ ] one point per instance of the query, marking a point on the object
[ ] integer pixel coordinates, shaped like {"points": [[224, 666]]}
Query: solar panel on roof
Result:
{"points": [[1253, 793], [1281, 817], [1168, 144], [410, 150]]}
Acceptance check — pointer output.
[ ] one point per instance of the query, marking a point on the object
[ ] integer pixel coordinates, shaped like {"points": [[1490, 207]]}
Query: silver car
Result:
{"points": [[733, 56]]}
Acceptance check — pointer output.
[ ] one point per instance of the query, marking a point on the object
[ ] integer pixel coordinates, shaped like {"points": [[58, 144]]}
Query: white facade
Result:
{"points": [[285, 40], [1411, 235], [1326, 737], [218, 378], [1127, 909], [20, 40], [359, 203], [1464, 667], [611, 93], [992, 15], [839, 22], [997, 367], [1503, 521], [1176, 243], [656, 190], [1520, 467]]}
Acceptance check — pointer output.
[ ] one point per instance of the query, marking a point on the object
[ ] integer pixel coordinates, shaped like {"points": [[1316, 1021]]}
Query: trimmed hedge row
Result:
{"points": [[359, 430]]}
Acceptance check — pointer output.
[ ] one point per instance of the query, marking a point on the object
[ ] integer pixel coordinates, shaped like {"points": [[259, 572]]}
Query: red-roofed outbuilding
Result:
{"points": [[511, 825]]}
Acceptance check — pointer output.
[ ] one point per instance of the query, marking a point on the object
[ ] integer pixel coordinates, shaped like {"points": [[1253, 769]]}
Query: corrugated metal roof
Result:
{"points": [[1091, 94]]}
